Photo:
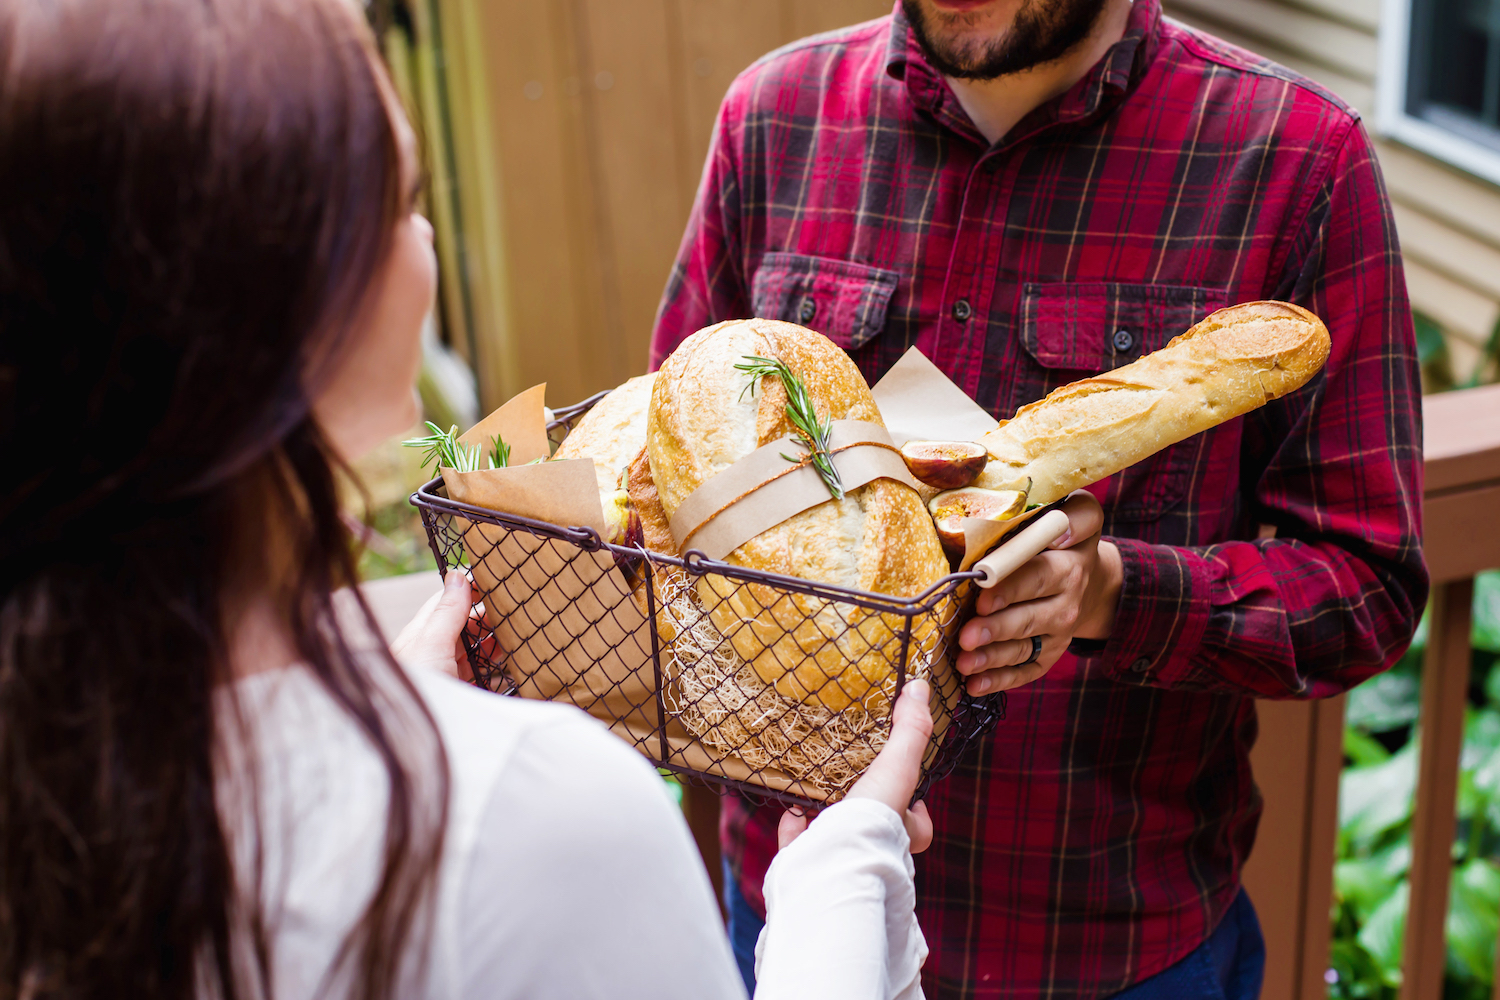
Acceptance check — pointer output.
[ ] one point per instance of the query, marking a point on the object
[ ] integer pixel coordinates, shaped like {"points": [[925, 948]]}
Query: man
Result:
{"points": [[1033, 191]]}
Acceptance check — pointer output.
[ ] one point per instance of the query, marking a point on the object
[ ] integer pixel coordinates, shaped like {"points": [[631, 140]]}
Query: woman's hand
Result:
{"points": [[892, 777], [1070, 590], [432, 638]]}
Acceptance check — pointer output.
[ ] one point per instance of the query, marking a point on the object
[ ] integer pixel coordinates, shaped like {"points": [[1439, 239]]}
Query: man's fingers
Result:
{"points": [[1085, 519], [1005, 653], [1006, 678]]}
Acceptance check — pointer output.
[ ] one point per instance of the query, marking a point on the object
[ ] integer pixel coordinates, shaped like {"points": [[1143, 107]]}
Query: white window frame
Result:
{"points": [[1391, 117]]}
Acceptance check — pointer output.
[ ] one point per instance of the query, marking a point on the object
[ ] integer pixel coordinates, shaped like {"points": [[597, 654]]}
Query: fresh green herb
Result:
{"points": [[802, 414], [444, 449], [499, 453]]}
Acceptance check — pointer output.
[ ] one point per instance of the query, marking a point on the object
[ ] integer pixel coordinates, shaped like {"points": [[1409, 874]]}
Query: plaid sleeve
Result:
{"points": [[708, 283], [1336, 467]]}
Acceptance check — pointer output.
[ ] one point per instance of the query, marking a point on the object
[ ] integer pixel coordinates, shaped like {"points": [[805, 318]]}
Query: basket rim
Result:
{"points": [[695, 562]]}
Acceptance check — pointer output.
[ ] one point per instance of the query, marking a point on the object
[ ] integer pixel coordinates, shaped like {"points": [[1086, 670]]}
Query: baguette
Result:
{"points": [[879, 537], [1233, 361]]}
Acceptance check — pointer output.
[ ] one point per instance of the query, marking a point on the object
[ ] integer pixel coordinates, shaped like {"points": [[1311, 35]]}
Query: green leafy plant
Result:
{"points": [[445, 450], [803, 415], [1376, 800]]}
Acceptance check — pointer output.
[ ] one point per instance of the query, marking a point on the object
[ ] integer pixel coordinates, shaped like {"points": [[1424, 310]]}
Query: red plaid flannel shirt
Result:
{"points": [[1097, 836]]}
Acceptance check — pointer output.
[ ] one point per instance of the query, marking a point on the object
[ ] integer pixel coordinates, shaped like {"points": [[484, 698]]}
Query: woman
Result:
{"points": [[212, 279]]}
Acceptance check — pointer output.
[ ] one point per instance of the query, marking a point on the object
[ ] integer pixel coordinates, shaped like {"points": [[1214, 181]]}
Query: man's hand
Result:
{"points": [[431, 639], [1069, 591], [892, 777]]}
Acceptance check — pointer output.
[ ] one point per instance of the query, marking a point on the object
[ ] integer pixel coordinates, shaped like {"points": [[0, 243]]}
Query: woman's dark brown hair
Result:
{"points": [[195, 198]]}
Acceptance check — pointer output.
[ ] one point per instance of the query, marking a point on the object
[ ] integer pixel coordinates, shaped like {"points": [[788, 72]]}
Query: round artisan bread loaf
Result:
{"points": [[878, 538], [1233, 361], [612, 433]]}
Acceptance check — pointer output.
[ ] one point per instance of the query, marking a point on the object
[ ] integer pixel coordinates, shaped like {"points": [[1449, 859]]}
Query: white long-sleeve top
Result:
{"points": [[567, 870]]}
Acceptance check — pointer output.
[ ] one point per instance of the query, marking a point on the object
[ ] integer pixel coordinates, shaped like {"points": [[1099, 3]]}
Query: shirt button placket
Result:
{"points": [[962, 310]]}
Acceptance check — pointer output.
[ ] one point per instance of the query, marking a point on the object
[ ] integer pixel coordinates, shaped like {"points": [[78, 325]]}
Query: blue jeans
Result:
{"points": [[1227, 966]]}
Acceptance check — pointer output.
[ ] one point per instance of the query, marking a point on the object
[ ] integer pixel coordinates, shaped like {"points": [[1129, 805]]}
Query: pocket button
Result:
{"points": [[807, 310], [1141, 665], [1124, 340]]}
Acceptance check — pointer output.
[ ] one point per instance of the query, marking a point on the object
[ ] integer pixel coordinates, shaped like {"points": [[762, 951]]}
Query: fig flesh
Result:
{"points": [[622, 522], [950, 507], [945, 465]]}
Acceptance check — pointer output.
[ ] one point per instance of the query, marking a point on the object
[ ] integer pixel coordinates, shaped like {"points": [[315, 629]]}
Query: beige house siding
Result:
{"points": [[1448, 221]]}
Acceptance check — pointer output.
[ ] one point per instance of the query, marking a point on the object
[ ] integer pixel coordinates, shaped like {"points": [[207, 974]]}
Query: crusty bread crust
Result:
{"points": [[878, 538], [1233, 361], [612, 432]]}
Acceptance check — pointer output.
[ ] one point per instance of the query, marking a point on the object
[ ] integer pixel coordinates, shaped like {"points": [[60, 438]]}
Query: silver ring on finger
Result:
{"points": [[1036, 651]]}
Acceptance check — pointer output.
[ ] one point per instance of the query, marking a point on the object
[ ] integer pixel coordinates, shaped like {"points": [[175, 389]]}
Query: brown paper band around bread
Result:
{"points": [[715, 519]]}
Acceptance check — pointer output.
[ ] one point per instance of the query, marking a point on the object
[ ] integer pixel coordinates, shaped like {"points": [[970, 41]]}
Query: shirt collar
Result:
{"points": [[1102, 87]]}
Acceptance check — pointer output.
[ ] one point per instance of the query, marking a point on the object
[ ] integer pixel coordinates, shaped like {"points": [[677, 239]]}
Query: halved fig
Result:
{"points": [[621, 520], [945, 465], [950, 507]]}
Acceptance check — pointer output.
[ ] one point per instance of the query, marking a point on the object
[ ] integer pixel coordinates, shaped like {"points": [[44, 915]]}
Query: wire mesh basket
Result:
{"points": [[776, 686]]}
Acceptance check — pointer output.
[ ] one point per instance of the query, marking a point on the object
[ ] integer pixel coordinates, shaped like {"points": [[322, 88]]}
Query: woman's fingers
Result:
{"points": [[430, 639], [892, 777], [793, 825], [918, 827]]}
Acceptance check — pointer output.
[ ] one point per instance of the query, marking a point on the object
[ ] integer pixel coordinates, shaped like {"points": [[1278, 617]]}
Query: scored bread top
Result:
{"points": [[703, 420], [1233, 361], [612, 432]]}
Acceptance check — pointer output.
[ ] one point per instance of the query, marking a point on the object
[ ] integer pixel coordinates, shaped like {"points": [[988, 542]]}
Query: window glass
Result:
{"points": [[1454, 79]]}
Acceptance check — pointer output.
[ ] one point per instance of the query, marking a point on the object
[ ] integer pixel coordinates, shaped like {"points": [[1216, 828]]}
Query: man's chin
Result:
{"points": [[986, 39]]}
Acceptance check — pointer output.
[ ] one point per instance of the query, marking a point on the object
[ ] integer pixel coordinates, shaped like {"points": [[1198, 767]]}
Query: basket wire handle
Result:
{"points": [[1030, 541]]}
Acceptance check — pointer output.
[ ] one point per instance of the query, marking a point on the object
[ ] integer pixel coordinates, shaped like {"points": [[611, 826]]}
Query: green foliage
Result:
{"points": [[1437, 361], [445, 450], [1376, 800]]}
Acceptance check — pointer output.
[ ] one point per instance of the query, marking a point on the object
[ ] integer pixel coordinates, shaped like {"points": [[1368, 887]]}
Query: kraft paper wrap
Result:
{"points": [[763, 489], [572, 627]]}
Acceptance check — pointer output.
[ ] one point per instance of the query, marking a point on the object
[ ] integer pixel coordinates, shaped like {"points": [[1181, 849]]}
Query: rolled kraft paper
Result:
{"points": [[716, 518], [521, 423], [919, 403]]}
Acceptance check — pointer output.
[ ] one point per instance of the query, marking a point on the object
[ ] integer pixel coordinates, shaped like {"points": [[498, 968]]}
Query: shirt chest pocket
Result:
{"points": [[1072, 330], [844, 301]]}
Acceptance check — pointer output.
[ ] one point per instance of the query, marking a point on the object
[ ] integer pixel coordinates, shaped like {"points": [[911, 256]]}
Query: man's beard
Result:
{"points": [[1044, 31]]}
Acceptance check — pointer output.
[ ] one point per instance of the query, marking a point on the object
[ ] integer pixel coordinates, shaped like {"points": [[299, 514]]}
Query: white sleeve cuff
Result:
{"points": [[840, 911]]}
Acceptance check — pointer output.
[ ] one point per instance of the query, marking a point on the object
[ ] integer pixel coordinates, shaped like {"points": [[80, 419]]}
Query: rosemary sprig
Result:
{"points": [[499, 453], [445, 449], [801, 412]]}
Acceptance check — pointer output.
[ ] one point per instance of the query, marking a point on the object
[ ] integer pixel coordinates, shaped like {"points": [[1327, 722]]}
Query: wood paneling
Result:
{"points": [[1463, 312], [584, 125], [1458, 255], [1351, 51], [1453, 198]]}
